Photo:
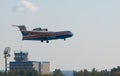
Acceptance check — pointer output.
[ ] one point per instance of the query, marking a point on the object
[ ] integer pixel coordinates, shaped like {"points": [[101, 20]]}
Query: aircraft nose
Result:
{"points": [[71, 34]]}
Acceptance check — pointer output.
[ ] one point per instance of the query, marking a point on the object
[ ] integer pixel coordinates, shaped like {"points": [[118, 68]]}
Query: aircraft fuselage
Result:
{"points": [[45, 36]]}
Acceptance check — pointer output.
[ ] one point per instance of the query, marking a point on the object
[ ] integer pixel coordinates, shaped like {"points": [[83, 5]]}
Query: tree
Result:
{"points": [[46, 75], [1, 73], [115, 71], [23, 73], [58, 72]]}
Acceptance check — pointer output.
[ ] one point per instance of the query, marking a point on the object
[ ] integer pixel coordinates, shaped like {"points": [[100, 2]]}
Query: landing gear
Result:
{"points": [[47, 41], [64, 39], [41, 40], [46, 29]]}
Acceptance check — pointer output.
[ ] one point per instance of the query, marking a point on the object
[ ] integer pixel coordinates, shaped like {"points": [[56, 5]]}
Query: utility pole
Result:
{"points": [[6, 55]]}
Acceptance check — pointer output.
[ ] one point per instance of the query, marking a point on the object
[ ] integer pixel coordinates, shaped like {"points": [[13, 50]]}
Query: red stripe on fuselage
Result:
{"points": [[46, 34], [32, 36]]}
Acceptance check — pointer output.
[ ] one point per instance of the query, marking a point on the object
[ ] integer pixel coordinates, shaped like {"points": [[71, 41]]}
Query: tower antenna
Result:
{"points": [[6, 55]]}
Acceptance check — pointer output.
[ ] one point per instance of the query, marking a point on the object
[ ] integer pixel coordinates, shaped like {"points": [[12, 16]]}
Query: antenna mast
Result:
{"points": [[6, 55]]}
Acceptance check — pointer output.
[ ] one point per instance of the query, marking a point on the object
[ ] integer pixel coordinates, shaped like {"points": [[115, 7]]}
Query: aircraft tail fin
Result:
{"points": [[21, 27]]}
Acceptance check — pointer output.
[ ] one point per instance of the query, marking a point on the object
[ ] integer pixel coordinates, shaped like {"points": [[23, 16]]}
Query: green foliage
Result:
{"points": [[1, 73], [58, 72], [115, 71], [94, 72], [23, 73], [46, 75]]}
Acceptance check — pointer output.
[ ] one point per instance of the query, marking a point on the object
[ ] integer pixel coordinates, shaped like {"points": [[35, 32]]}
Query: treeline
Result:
{"points": [[57, 72], [95, 72], [21, 73]]}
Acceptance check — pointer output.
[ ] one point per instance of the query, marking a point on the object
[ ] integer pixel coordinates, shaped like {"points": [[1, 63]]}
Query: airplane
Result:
{"points": [[40, 34]]}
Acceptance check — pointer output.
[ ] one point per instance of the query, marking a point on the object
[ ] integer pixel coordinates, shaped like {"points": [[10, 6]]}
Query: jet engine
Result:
{"points": [[40, 29]]}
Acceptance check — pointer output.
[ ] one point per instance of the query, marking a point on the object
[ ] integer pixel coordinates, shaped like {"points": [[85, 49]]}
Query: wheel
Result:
{"points": [[41, 40], [46, 29], [47, 41]]}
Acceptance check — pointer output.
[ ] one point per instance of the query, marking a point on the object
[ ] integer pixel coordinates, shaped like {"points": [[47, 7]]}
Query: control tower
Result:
{"points": [[22, 63], [21, 57]]}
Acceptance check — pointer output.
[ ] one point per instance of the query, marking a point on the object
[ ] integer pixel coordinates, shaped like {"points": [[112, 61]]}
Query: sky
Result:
{"points": [[94, 23]]}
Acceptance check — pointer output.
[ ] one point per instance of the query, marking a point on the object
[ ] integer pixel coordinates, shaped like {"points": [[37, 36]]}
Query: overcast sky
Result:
{"points": [[95, 24]]}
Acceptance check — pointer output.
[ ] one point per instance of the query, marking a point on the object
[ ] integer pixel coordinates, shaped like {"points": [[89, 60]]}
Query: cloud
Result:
{"points": [[19, 9], [27, 5]]}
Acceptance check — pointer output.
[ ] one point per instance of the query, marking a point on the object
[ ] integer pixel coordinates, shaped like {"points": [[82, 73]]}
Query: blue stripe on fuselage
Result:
{"points": [[57, 35]]}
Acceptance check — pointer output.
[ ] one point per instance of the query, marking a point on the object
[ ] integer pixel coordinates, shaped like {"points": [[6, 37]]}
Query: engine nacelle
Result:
{"points": [[44, 29], [39, 29]]}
